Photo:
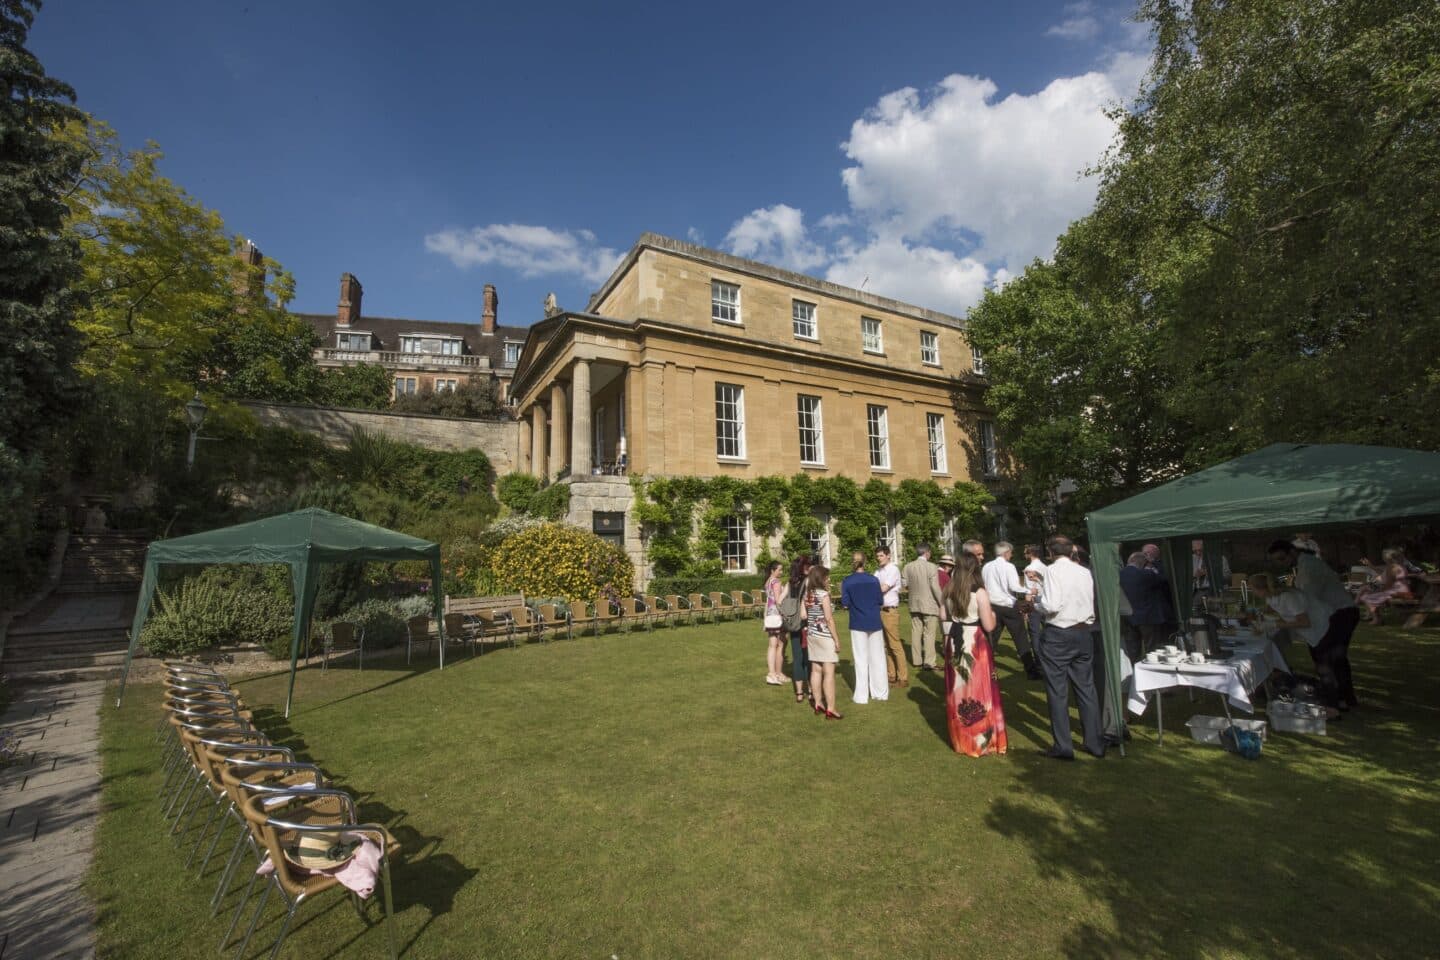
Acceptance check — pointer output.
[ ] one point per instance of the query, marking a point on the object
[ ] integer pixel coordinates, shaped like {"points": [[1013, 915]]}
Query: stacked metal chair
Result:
{"points": [[216, 760]]}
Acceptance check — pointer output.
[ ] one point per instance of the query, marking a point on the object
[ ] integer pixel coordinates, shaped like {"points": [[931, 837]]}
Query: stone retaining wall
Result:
{"points": [[590, 495], [498, 439]]}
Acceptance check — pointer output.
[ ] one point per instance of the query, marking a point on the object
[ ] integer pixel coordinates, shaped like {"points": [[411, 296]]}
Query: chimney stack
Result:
{"points": [[350, 293], [487, 316], [249, 278]]}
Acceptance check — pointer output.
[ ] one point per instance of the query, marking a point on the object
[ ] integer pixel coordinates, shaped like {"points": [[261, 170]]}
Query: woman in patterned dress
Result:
{"points": [[822, 641], [973, 708]]}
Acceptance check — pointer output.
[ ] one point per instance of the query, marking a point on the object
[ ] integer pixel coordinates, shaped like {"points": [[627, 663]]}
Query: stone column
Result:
{"points": [[580, 418], [558, 422], [522, 448], [537, 440]]}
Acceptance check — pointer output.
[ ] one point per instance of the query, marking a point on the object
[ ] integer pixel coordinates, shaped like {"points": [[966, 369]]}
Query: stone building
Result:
{"points": [[689, 361], [420, 354]]}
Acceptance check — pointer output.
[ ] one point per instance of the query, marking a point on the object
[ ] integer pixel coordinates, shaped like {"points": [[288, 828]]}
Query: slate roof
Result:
{"points": [[386, 333]]}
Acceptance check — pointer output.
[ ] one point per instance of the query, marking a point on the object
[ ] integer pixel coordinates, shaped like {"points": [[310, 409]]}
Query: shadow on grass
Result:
{"points": [[1351, 815]]}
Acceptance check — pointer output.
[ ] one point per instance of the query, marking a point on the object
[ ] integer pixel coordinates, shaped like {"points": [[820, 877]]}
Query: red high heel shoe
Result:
{"points": [[832, 715], [819, 710]]}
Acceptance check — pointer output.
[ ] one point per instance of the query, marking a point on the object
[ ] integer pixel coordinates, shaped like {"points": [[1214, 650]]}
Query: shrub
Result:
{"points": [[384, 620], [516, 490], [473, 400], [219, 606], [363, 385], [749, 582], [552, 503], [555, 560]]}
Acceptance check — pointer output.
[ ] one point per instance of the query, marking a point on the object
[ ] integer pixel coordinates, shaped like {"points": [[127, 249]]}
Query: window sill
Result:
{"points": [[927, 363], [939, 473], [815, 339], [873, 353], [728, 323], [733, 461], [882, 470], [812, 466]]}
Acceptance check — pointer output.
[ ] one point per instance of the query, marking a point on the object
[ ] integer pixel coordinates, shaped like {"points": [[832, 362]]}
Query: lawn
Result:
{"points": [[646, 795]]}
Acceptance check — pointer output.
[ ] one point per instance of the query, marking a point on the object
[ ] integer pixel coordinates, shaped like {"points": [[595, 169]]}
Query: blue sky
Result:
{"points": [[925, 149]]}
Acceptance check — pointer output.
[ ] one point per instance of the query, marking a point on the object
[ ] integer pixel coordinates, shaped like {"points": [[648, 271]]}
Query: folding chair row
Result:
{"points": [[285, 811]]}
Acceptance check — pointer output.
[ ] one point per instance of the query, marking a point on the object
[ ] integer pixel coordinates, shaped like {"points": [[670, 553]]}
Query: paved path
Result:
{"points": [[49, 807]]}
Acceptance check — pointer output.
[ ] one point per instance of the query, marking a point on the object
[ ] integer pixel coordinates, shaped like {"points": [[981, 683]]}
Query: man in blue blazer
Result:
{"points": [[1146, 593]]}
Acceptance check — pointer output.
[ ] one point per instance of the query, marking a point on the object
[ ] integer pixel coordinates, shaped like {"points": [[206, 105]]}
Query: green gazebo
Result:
{"points": [[1282, 486], [304, 540]]}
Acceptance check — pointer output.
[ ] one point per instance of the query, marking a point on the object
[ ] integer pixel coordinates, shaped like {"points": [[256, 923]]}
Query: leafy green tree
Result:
{"points": [[1078, 378], [1278, 188], [172, 303], [477, 401], [362, 386], [39, 263]]}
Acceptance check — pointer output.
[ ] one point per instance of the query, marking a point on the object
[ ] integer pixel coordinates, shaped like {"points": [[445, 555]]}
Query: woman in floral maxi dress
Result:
{"points": [[973, 708]]}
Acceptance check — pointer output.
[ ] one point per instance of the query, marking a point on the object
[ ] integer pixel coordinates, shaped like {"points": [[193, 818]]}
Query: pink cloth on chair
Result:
{"points": [[358, 874]]}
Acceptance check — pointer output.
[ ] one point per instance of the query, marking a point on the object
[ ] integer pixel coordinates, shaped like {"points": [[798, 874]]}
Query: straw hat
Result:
{"points": [[320, 851], [946, 560]]}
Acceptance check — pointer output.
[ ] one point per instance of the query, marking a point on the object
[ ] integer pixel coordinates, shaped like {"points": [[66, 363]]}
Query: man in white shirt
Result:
{"points": [[1332, 602], [1003, 585], [1066, 598], [1034, 619], [889, 576]]}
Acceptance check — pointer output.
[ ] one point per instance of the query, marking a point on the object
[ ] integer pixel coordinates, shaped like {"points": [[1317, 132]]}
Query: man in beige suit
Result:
{"points": [[922, 580]]}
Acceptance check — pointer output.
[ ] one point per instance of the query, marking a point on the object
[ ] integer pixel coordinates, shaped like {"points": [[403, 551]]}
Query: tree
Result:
{"points": [[173, 300], [1077, 377], [38, 261], [1278, 187], [477, 401], [39, 387], [362, 386]]}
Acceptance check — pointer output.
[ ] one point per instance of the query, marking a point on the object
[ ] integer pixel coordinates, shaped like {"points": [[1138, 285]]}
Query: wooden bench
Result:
{"points": [[492, 619]]}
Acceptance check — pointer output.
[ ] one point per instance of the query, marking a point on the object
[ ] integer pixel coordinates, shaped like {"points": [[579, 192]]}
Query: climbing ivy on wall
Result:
{"points": [[682, 518]]}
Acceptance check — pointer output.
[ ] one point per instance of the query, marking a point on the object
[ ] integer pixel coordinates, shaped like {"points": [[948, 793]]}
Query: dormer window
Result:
{"points": [[446, 346], [352, 341], [512, 353]]}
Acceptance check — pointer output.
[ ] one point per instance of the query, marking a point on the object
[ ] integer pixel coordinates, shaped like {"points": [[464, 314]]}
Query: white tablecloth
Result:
{"points": [[1246, 669]]}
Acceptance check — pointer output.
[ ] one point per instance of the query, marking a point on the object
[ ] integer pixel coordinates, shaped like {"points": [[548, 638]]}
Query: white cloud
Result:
{"points": [[1003, 173], [531, 251], [922, 275], [775, 235], [695, 236], [1079, 23]]}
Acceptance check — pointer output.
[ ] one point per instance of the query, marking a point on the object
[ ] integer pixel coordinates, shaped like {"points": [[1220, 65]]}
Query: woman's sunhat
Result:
{"points": [[321, 851], [946, 560]]}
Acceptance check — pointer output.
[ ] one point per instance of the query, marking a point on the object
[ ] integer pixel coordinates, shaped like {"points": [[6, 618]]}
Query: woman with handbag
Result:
{"points": [[792, 621], [774, 626]]}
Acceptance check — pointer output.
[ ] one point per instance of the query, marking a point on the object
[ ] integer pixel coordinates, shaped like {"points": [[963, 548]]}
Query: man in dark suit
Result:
{"points": [[1146, 593]]}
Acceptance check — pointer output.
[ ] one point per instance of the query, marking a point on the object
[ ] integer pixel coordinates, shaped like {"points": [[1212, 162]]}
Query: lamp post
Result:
{"points": [[195, 412]]}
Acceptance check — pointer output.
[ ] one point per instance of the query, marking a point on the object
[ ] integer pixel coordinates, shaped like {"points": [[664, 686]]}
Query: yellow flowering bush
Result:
{"points": [[554, 560]]}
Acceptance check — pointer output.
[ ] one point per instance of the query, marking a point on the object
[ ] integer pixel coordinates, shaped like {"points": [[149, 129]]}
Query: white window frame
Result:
{"points": [[820, 543], [516, 347], [947, 536], [409, 344], [347, 341], [451, 346], [890, 537], [735, 438], [935, 434], [977, 362], [446, 384], [405, 386], [816, 427], [737, 532], [799, 320], [867, 338], [989, 450], [930, 348], [725, 302], [877, 432]]}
